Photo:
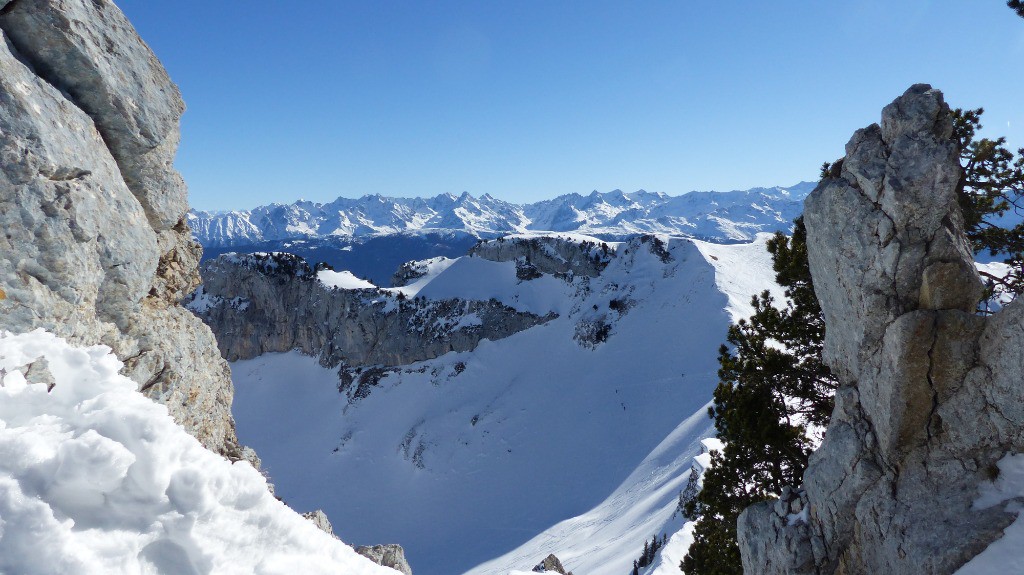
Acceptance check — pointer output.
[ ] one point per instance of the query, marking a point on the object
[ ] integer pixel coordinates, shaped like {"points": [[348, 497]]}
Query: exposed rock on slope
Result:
{"points": [[547, 255], [930, 395], [95, 247], [392, 556], [274, 302]]}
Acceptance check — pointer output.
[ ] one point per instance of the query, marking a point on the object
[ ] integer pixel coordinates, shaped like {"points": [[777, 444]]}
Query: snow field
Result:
{"points": [[95, 479], [538, 444]]}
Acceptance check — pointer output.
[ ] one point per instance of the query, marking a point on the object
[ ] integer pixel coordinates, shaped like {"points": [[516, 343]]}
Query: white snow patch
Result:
{"points": [[431, 269], [95, 478], [342, 280], [741, 270], [1006, 554]]}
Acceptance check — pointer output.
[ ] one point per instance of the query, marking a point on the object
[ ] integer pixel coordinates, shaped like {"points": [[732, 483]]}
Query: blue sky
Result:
{"points": [[529, 99]]}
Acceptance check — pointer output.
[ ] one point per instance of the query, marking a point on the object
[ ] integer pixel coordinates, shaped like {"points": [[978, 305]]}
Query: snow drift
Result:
{"points": [[95, 478]]}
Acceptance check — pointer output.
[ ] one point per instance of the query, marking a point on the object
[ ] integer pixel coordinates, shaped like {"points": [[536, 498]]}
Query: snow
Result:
{"points": [[536, 444], [479, 279], [729, 216], [741, 270], [671, 555], [202, 302], [95, 478], [1006, 554], [342, 280], [431, 269]]}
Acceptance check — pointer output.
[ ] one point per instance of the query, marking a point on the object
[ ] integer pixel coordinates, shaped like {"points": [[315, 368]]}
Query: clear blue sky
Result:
{"points": [[528, 99]]}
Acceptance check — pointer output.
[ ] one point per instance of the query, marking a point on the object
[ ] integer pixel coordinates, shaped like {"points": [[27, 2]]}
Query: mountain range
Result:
{"points": [[715, 216]]}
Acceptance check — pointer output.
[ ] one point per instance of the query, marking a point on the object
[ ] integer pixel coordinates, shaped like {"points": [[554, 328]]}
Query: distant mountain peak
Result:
{"points": [[715, 216]]}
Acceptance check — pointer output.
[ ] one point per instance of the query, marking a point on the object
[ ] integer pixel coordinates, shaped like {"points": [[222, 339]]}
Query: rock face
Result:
{"points": [[550, 564], [546, 255], [319, 518], [387, 555], [930, 394], [273, 302], [95, 246]]}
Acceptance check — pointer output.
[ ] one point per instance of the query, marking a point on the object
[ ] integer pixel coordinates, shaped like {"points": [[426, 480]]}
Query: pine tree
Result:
{"points": [[1017, 6], [775, 391], [991, 186]]}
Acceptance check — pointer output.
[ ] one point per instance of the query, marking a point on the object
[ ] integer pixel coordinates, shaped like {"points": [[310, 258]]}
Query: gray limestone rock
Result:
{"points": [[550, 564], [391, 555], [930, 390], [273, 302], [90, 51], [546, 255], [319, 518], [94, 247]]}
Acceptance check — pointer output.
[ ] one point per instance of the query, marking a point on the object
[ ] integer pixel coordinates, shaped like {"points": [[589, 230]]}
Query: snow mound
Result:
{"points": [[95, 478], [343, 280]]}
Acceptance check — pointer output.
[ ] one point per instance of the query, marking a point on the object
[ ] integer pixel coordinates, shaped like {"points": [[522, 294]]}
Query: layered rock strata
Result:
{"points": [[263, 303], [931, 391], [94, 245]]}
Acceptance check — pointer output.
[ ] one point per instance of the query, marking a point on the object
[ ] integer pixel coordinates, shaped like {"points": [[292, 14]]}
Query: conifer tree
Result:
{"points": [[775, 392], [1017, 6]]}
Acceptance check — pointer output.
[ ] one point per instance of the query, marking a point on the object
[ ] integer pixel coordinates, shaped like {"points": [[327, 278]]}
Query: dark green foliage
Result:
{"points": [[650, 551], [1017, 6], [991, 186], [774, 388]]}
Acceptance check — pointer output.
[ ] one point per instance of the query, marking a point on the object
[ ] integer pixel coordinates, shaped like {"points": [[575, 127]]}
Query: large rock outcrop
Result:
{"points": [[261, 303], [391, 555], [547, 255], [94, 244], [930, 395]]}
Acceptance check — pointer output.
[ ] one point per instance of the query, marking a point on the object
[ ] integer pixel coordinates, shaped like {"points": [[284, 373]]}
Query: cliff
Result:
{"points": [[95, 247], [263, 303], [930, 396]]}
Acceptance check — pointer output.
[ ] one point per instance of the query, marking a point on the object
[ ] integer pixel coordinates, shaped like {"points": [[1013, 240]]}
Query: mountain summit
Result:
{"points": [[716, 216]]}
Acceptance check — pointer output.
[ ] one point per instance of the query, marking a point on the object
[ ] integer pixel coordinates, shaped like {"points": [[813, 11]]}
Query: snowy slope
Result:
{"points": [[728, 216], [468, 457], [95, 478]]}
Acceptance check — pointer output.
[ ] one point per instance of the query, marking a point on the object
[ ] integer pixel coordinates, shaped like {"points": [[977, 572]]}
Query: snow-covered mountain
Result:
{"points": [[716, 216], [571, 436]]}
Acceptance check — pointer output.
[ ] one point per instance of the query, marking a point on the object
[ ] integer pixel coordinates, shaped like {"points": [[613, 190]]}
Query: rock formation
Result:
{"points": [[931, 391], [94, 245], [550, 564], [387, 555], [273, 302], [546, 255]]}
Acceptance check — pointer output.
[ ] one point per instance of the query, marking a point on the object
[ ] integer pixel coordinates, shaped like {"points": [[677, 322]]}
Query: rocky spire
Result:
{"points": [[930, 390]]}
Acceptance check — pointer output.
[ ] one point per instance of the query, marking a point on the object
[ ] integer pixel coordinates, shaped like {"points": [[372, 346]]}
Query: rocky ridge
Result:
{"points": [[716, 216], [553, 255], [95, 245], [930, 394], [261, 303]]}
